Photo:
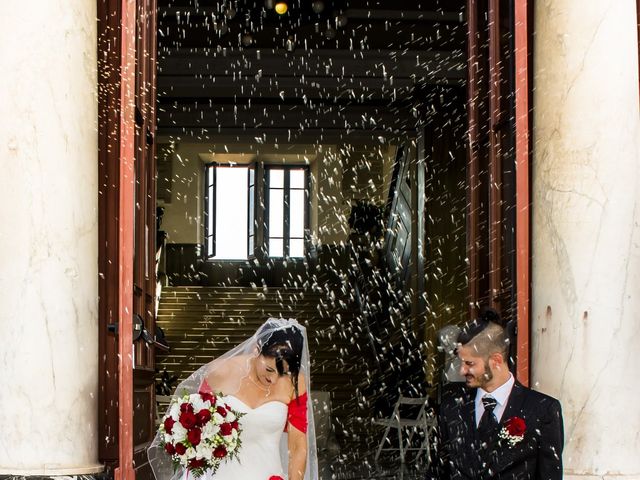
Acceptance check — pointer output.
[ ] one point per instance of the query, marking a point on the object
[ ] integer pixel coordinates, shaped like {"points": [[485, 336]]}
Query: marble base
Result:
{"points": [[93, 472], [98, 476]]}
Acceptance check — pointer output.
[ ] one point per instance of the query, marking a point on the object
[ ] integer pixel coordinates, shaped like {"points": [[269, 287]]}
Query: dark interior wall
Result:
{"points": [[187, 267], [446, 286]]}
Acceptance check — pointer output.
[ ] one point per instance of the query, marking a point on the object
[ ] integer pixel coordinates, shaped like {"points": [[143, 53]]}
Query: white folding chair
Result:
{"points": [[417, 420]]}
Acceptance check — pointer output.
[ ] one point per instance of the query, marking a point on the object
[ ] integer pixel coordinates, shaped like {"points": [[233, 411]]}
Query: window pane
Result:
{"points": [[296, 179], [296, 247], [210, 176], [276, 178], [231, 213], [210, 194], [209, 246], [252, 176], [251, 245], [296, 214], [276, 213], [251, 225], [275, 247]]}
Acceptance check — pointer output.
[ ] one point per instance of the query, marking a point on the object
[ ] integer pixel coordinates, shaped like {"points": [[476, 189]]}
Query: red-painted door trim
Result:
{"points": [[125, 471], [523, 240]]}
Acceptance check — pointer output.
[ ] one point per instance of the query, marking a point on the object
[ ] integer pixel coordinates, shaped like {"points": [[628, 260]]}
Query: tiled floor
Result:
{"points": [[361, 467]]}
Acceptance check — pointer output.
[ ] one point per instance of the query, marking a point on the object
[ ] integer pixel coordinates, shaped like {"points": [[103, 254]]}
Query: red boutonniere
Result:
{"points": [[513, 430]]}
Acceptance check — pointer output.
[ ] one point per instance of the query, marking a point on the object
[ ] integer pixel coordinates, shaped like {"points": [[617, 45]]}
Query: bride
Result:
{"points": [[266, 378]]}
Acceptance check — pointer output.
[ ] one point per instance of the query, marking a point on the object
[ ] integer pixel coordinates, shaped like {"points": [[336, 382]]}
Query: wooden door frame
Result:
{"points": [[473, 190], [523, 93], [479, 75], [116, 82], [127, 181]]}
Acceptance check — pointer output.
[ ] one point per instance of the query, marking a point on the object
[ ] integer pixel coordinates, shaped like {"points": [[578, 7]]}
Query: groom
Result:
{"points": [[493, 427]]}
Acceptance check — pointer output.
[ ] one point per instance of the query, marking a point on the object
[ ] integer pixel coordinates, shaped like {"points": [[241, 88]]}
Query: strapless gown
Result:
{"points": [[259, 455]]}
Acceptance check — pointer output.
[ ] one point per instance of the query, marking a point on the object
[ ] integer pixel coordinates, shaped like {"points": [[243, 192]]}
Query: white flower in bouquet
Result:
{"points": [[218, 419], [198, 403]]}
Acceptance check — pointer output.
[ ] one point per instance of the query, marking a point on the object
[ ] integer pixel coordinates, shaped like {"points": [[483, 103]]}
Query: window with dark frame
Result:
{"points": [[227, 192], [210, 211], [287, 205], [251, 212], [285, 211]]}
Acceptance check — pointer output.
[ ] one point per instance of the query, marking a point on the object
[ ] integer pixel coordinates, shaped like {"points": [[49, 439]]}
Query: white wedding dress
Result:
{"points": [[261, 432], [263, 452]]}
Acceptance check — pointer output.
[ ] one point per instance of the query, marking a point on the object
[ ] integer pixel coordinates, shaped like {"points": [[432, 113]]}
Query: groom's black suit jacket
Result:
{"points": [[464, 453]]}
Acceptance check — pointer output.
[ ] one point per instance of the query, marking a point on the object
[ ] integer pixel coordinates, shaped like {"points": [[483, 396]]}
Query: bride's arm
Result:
{"points": [[297, 453], [297, 443]]}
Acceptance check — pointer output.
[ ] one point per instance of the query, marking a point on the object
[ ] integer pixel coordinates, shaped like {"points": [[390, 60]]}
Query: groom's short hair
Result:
{"points": [[486, 335]]}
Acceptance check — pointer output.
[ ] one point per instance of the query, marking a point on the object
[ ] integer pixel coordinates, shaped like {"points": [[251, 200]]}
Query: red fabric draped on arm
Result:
{"points": [[205, 387], [297, 415]]}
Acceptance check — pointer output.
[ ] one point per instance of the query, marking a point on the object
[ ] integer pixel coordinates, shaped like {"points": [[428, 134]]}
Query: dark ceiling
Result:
{"points": [[355, 67]]}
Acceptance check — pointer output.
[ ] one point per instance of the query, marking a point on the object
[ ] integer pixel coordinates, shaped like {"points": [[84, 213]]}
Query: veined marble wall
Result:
{"points": [[586, 229], [49, 238]]}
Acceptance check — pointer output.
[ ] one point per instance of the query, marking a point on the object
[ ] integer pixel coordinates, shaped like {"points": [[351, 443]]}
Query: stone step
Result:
{"points": [[201, 323]]}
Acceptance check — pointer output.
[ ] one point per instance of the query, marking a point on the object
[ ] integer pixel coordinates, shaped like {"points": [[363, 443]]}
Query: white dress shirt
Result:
{"points": [[501, 394]]}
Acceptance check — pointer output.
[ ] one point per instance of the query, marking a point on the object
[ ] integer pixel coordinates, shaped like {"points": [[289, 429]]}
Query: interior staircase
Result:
{"points": [[201, 323]]}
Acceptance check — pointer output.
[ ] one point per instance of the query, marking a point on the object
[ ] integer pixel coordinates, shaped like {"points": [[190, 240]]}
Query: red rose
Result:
{"points": [[220, 452], [515, 426], [226, 428], [180, 449], [188, 420], [197, 463], [227, 407], [169, 448], [221, 411], [234, 425], [194, 436], [186, 407], [204, 416], [275, 477], [208, 396], [168, 424]]}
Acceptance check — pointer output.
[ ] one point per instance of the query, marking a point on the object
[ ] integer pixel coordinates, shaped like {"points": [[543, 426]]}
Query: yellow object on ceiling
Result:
{"points": [[281, 8]]}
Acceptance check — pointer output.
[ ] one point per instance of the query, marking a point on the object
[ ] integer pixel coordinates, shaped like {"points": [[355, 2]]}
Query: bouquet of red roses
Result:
{"points": [[200, 432]]}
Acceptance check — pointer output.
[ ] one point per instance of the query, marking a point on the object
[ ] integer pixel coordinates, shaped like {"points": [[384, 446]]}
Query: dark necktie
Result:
{"points": [[488, 421]]}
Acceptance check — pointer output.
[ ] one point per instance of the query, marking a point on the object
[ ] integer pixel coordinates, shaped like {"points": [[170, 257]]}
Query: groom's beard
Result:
{"points": [[488, 375], [480, 381]]}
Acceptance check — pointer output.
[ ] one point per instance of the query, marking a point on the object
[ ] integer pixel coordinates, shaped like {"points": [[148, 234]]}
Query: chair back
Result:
{"points": [[409, 413], [162, 403], [410, 408]]}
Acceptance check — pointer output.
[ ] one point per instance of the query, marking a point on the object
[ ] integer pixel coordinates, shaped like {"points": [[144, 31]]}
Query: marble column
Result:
{"points": [[586, 230], [48, 238]]}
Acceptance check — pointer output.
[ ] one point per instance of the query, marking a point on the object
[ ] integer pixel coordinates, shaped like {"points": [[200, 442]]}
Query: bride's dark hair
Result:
{"points": [[285, 344]]}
